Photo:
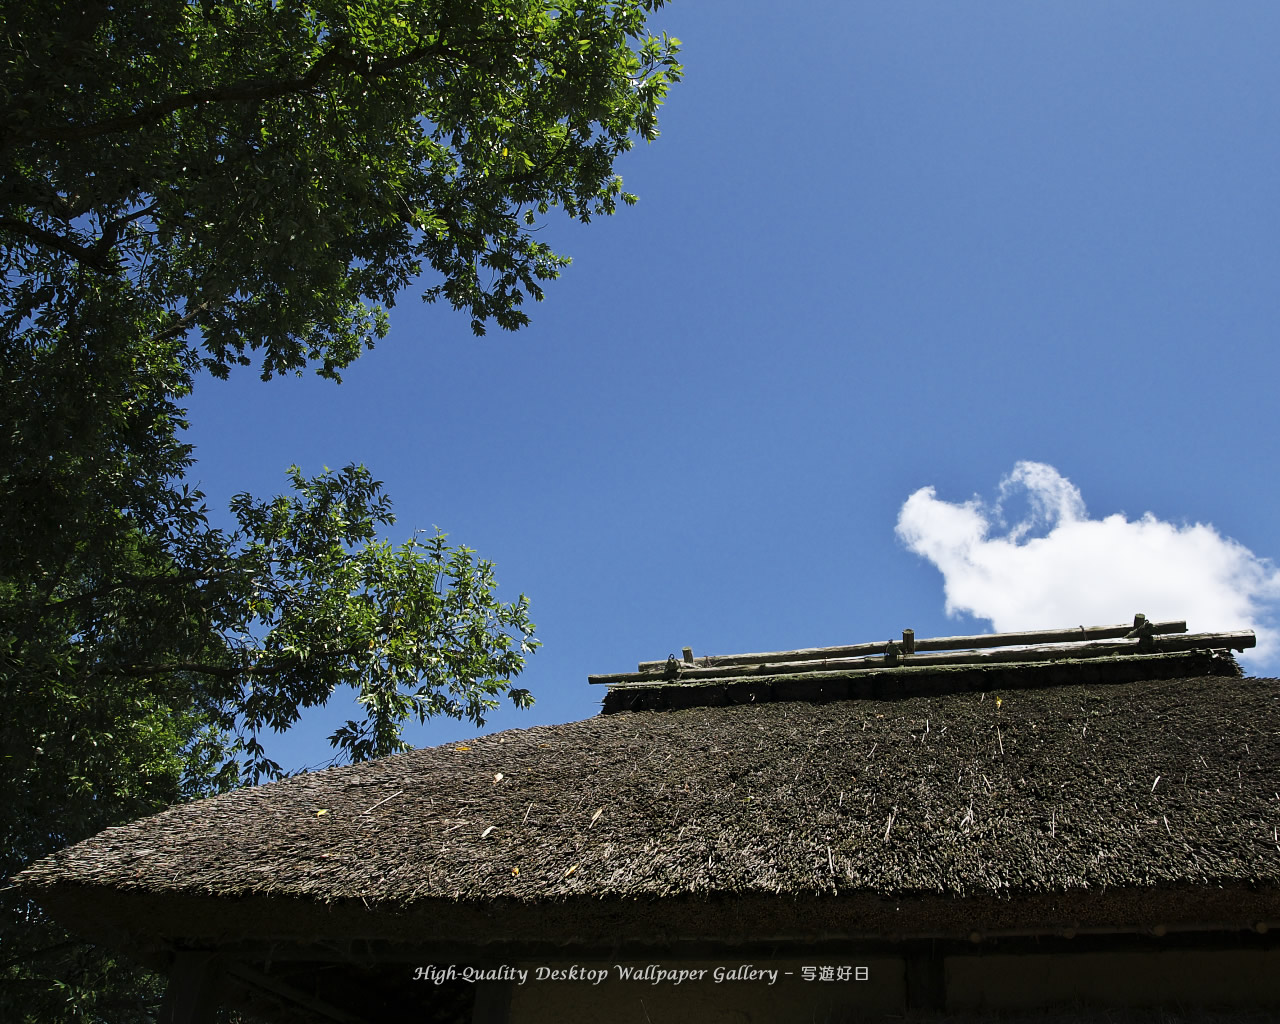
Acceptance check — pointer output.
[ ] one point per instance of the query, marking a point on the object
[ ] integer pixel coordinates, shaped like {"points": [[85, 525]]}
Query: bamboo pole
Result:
{"points": [[942, 643], [1046, 636], [1239, 641]]}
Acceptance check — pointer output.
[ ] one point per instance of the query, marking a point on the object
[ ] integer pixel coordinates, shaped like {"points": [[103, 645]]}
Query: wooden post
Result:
{"points": [[493, 1002], [688, 655], [926, 980], [908, 641], [191, 996], [1144, 631]]}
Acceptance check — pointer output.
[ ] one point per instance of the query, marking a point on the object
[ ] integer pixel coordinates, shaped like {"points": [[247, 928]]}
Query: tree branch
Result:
{"points": [[219, 671], [113, 229], [182, 323], [126, 579], [261, 668], [235, 92], [96, 256], [87, 255]]}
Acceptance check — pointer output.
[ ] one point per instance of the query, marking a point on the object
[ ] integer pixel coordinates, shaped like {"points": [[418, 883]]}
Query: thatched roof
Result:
{"points": [[1064, 808]]}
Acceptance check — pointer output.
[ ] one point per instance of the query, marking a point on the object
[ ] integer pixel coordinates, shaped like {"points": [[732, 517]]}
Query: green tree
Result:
{"points": [[187, 187]]}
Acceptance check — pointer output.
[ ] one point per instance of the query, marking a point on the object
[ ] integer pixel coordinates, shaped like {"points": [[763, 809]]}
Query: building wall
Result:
{"points": [[880, 986], [1248, 977], [788, 999]]}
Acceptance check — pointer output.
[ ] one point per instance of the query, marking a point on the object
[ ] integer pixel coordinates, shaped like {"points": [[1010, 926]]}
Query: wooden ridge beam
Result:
{"points": [[941, 643], [1239, 640]]}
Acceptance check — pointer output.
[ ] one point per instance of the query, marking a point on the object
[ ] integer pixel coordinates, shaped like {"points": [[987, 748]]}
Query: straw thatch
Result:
{"points": [[1061, 809]]}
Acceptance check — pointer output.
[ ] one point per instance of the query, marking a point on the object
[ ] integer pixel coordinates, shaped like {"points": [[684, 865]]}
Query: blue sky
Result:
{"points": [[880, 247]]}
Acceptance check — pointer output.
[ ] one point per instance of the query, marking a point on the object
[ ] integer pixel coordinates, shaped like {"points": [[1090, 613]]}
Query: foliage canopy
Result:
{"points": [[188, 187]]}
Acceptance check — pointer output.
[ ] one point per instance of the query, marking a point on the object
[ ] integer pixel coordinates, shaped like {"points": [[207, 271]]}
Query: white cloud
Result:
{"points": [[1056, 567]]}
